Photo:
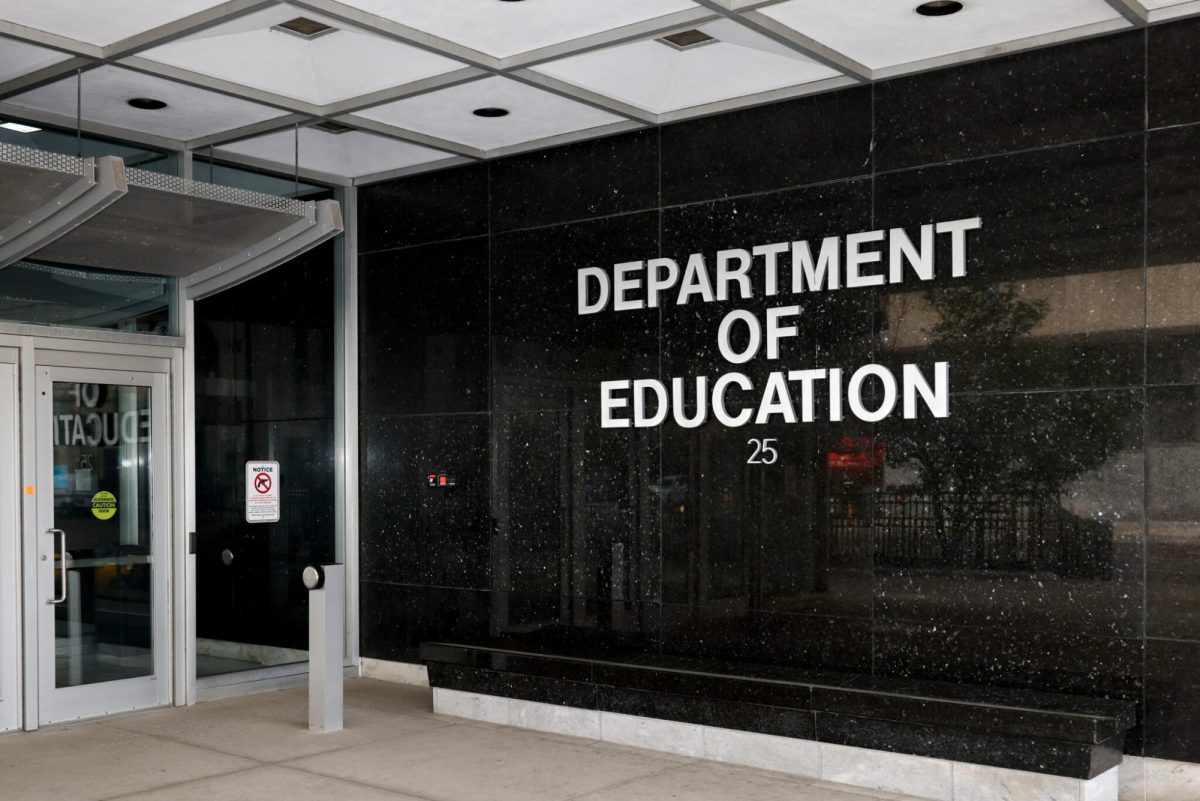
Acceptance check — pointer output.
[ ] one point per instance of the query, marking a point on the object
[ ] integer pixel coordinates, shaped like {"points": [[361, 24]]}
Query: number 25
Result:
{"points": [[764, 451]]}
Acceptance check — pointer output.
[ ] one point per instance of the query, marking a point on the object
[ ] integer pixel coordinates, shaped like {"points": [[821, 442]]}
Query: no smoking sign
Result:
{"points": [[262, 492]]}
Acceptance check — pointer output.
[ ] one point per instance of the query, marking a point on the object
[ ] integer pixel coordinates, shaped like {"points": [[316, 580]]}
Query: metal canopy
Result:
{"points": [[172, 226], [44, 195]]}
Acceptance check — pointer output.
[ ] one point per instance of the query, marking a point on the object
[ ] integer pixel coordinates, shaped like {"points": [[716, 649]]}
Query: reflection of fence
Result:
{"points": [[998, 533]]}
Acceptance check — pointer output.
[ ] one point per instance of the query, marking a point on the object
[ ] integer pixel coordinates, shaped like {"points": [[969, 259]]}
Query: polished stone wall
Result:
{"points": [[1046, 535], [264, 390]]}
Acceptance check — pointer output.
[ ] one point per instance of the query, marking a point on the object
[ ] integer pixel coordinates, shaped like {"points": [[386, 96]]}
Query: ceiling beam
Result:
{"points": [[412, 137], [489, 64], [50, 74], [98, 128], [778, 32], [219, 85], [1131, 10], [647, 29], [424, 86], [399, 32], [247, 131], [53, 41], [88, 56], [186, 26]]}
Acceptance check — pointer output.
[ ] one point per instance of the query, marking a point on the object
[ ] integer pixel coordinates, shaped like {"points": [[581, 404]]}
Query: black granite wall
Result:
{"points": [[1046, 534], [264, 390]]}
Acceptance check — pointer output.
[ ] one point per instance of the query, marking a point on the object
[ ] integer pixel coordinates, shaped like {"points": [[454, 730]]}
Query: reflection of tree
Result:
{"points": [[1013, 448]]}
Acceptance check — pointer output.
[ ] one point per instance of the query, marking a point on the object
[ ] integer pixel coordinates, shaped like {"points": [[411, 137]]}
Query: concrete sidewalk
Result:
{"points": [[393, 749]]}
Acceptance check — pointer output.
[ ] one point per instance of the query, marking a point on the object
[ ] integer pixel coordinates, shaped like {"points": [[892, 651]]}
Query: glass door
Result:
{"points": [[103, 481], [10, 525]]}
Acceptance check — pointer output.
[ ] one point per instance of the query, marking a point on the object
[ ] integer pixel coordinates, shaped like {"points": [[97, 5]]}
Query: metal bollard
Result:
{"points": [[326, 638]]}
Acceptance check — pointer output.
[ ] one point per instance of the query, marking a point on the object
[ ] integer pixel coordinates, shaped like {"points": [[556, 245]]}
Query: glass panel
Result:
{"points": [[217, 173], [102, 464], [264, 391], [33, 292], [43, 137]]}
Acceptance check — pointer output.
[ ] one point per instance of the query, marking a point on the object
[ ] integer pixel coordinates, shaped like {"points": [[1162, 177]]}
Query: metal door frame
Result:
{"points": [[10, 535], [59, 705], [74, 347]]}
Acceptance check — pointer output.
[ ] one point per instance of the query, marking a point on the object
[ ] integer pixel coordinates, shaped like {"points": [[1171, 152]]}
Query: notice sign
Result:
{"points": [[262, 492]]}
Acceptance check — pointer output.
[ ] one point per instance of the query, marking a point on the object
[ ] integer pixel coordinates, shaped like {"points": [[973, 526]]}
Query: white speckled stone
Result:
{"points": [[784, 754], [568, 720], [893, 773], [1132, 779], [395, 672], [1172, 781], [659, 735], [487, 708], [983, 783]]}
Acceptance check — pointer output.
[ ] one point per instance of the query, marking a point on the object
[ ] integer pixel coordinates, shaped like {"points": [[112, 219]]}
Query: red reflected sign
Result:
{"points": [[857, 456]]}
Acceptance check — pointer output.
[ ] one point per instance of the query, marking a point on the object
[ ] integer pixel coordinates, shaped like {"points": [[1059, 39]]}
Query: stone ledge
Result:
{"points": [[924, 777]]}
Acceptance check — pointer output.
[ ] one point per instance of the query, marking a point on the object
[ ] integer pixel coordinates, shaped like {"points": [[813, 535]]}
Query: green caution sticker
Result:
{"points": [[104, 504]]}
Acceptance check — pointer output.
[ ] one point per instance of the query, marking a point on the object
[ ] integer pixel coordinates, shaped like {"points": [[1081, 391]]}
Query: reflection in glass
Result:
{"points": [[32, 292], [102, 469], [264, 391]]}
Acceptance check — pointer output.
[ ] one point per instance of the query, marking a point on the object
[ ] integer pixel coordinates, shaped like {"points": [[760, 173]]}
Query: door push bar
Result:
{"points": [[326, 643], [62, 554]]}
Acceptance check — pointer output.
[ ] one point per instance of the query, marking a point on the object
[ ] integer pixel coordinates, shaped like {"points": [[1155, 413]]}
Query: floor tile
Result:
{"points": [[94, 761], [706, 781], [273, 727], [268, 781], [468, 763]]}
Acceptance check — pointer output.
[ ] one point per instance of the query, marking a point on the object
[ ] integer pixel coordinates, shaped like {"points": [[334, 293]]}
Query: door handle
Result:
{"points": [[62, 553]]}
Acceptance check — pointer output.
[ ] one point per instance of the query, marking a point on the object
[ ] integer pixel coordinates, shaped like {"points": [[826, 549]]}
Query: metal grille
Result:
{"points": [[217, 192], [41, 159], [1023, 533]]}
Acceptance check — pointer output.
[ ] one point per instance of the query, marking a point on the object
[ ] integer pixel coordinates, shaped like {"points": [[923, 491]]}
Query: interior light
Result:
{"points": [[939, 8], [490, 112], [333, 127], [685, 40], [304, 27], [146, 103], [18, 127]]}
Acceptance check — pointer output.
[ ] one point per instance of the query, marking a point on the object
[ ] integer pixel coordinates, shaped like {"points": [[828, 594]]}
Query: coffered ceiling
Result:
{"points": [[360, 90]]}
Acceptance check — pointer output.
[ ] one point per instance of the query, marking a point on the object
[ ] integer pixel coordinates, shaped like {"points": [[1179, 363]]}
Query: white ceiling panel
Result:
{"points": [[502, 29], [190, 112], [335, 66], [660, 78], [99, 22], [885, 33], [350, 155], [1170, 9], [19, 58], [533, 114]]}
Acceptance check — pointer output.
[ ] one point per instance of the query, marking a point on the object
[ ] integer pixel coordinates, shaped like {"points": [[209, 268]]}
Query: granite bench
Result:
{"points": [[1077, 738]]}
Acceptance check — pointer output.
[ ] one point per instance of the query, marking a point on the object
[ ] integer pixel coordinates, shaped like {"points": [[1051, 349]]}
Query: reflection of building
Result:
{"points": [[1082, 304], [1021, 534]]}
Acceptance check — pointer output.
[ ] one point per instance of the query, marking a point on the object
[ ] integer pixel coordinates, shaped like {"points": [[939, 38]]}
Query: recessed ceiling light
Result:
{"points": [[304, 27], [686, 40], [146, 103], [490, 112], [18, 127], [331, 126], [939, 8]]}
